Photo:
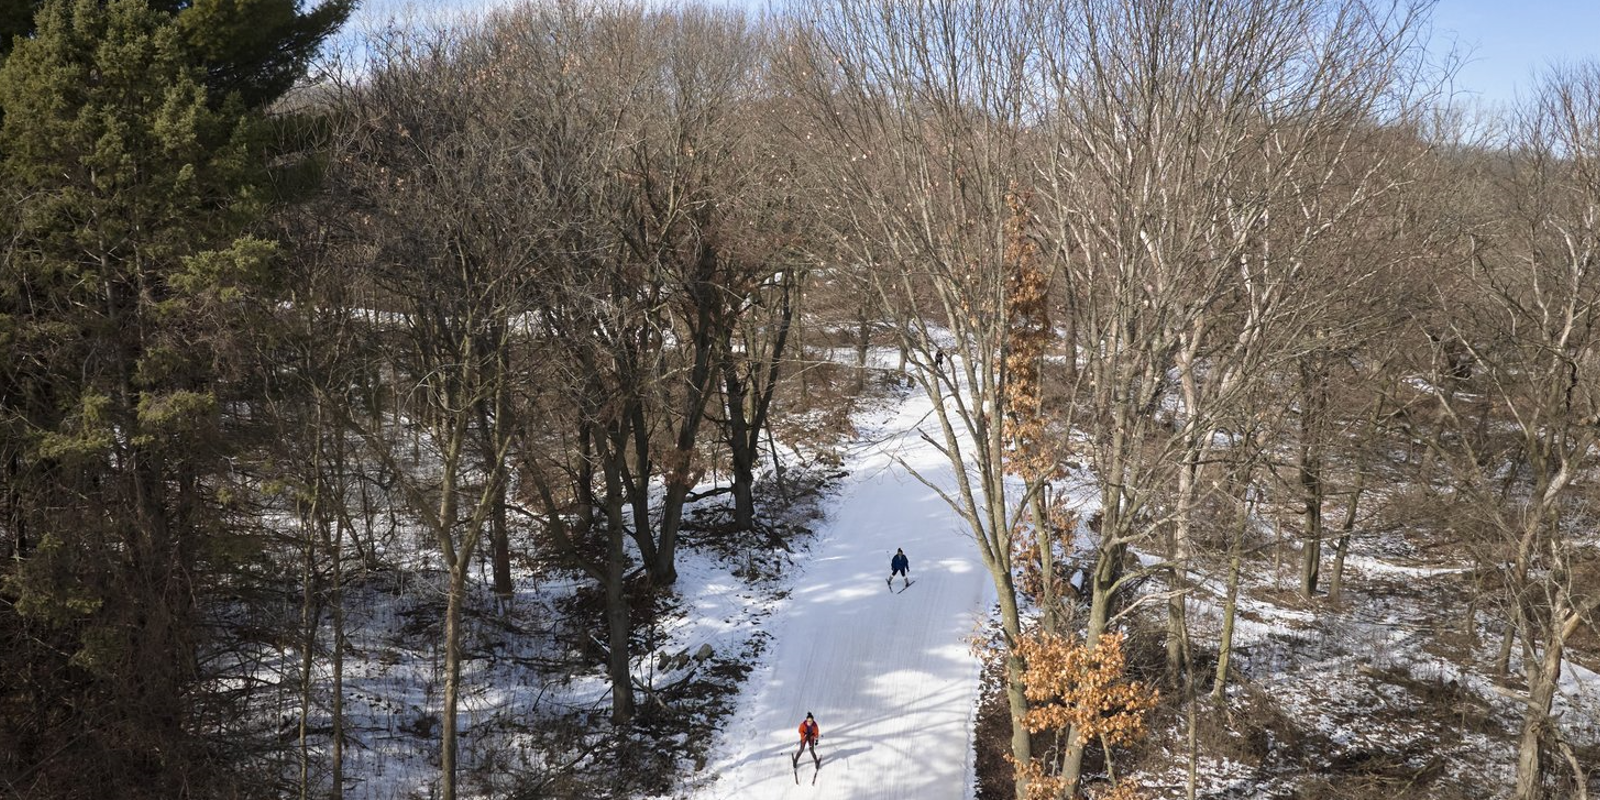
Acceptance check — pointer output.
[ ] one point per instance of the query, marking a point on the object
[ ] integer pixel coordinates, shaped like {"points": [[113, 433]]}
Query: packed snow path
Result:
{"points": [[889, 675]]}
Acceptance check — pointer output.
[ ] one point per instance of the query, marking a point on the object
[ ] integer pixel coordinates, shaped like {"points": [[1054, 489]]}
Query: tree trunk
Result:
{"points": [[863, 343], [800, 349], [1107, 569], [1342, 547], [664, 570], [609, 571], [584, 483], [16, 520], [778, 479], [1543, 676], [336, 599], [749, 404], [743, 458], [1225, 640], [1180, 541], [617, 626], [492, 411], [1069, 340], [637, 480], [742, 442], [1016, 701], [458, 562], [618, 621], [1519, 579], [1049, 603], [309, 618], [1177, 622], [1191, 774], [1242, 476], [1313, 408], [1311, 550], [500, 540], [681, 476], [454, 599], [1508, 637], [162, 660]]}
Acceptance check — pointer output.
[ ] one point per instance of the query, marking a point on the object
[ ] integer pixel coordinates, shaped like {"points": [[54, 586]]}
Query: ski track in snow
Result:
{"points": [[889, 676]]}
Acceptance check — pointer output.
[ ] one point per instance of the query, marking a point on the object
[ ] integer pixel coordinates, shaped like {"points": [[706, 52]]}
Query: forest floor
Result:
{"points": [[1387, 693]]}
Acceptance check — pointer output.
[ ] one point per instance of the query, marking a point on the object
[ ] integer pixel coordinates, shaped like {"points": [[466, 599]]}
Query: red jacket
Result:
{"points": [[809, 732]]}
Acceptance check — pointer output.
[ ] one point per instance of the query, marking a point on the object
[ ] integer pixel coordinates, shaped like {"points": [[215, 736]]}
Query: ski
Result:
{"points": [[905, 587]]}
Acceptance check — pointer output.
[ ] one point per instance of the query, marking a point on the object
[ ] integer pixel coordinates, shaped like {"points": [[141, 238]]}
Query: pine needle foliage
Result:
{"points": [[134, 305]]}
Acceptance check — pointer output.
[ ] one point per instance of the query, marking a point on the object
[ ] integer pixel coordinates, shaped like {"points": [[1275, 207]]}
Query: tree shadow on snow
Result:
{"points": [[844, 755]]}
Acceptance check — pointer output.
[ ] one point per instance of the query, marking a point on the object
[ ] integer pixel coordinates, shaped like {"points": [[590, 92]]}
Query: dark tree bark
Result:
{"points": [[750, 384]]}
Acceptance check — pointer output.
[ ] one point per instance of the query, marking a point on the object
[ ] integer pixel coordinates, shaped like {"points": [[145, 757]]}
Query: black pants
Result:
{"points": [[811, 743]]}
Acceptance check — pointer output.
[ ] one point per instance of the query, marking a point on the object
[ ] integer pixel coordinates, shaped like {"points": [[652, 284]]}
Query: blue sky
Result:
{"points": [[1504, 41]]}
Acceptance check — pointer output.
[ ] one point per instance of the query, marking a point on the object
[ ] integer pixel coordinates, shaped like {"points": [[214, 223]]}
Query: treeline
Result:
{"points": [[542, 271]]}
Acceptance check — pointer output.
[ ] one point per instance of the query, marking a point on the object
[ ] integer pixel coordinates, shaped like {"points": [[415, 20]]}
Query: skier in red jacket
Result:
{"points": [[809, 734]]}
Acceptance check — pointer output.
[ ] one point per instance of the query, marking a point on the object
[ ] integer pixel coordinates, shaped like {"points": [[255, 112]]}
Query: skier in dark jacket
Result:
{"points": [[900, 565]]}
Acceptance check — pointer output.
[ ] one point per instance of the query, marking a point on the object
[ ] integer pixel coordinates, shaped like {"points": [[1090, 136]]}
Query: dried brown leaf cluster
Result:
{"points": [[1028, 333], [1073, 685], [1060, 522]]}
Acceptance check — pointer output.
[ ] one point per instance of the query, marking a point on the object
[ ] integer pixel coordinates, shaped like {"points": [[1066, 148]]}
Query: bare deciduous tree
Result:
{"points": [[433, 187], [1530, 327], [1198, 153], [920, 111]]}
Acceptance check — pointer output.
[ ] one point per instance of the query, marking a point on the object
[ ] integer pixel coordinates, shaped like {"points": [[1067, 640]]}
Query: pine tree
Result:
{"points": [[127, 290], [251, 49]]}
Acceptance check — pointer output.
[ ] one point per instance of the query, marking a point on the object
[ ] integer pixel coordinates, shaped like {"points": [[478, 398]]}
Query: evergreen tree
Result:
{"points": [[128, 288], [254, 49]]}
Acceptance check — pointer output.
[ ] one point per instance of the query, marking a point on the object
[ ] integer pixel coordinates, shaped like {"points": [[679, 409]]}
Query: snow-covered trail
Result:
{"points": [[888, 675]]}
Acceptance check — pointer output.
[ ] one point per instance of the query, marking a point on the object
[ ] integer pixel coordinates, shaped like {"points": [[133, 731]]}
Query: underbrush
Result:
{"points": [[1384, 695]]}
